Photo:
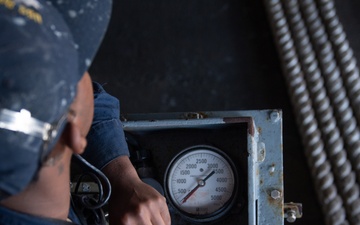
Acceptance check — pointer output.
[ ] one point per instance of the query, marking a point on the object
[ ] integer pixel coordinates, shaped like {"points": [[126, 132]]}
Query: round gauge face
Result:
{"points": [[201, 182]]}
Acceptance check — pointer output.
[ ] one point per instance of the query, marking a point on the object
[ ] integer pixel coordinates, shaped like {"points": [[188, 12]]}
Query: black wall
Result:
{"points": [[201, 55]]}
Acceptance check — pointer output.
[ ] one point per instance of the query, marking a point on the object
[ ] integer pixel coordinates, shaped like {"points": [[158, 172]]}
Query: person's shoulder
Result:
{"points": [[98, 88]]}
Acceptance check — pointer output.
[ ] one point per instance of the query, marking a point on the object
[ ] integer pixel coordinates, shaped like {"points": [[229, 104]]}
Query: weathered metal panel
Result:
{"points": [[264, 203]]}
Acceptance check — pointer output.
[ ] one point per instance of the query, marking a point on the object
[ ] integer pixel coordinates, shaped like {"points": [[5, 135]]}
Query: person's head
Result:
{"points": [[45, 98]]}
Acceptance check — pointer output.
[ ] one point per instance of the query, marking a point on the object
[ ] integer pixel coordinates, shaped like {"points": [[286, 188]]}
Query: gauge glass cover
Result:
{"points": [[201, 181]]}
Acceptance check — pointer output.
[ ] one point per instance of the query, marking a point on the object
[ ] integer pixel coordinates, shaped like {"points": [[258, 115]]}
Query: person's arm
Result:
{"points": [[140, 203], [106, 139], [131, 201]]}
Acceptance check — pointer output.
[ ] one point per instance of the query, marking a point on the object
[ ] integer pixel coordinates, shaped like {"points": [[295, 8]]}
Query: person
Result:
{"points": [[47, 110], [129, 189]]}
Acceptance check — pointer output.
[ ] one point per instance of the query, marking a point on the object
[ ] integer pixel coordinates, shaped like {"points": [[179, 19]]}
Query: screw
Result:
{"points": [[291, 216], [275, 194], [274, 116]]}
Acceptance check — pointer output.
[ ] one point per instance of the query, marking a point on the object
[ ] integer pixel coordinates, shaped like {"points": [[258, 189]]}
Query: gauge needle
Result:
{"points": [[201, 183]]}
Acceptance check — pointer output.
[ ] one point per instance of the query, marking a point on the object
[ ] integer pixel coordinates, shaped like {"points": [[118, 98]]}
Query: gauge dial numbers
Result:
{"points": [[201, 183]]}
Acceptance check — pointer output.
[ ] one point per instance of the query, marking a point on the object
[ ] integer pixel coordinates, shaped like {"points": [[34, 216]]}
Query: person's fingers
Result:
{"points": [[139, 218], [165, 214], [161, 216], [157, 220]]}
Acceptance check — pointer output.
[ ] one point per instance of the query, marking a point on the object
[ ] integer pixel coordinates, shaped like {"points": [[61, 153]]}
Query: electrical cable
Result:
{"points": [[95, 174], [89, 206], [324, 86], [86, 201], [344, 54], [332, 204], [334, 144], [334, 84]]}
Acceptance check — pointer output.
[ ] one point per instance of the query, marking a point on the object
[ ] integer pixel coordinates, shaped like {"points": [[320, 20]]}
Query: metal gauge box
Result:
{"points": [[252, 140]]}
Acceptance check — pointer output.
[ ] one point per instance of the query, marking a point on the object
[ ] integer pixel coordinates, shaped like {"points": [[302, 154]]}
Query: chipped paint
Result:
{"points": [[19, 21], [72, 13], [263, 175], [276, 203]]}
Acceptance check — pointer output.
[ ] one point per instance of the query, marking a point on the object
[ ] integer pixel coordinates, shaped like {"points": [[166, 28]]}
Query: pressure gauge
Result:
{"points": [[201, 183]]}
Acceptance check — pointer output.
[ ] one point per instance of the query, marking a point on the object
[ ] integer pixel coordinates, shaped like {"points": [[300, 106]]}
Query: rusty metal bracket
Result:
{"points": [[292, 211]]}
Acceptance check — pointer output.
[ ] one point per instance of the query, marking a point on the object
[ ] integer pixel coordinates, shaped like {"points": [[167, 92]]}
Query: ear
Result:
{"points": [[73, 138]]}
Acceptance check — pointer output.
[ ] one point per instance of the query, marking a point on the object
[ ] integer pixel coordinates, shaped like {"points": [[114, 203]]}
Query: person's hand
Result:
{"points": [[132, 201], [141, 204]]}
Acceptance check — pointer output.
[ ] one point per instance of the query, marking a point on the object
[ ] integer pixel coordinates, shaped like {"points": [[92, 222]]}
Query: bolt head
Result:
{"points": [[275, 194], [275, 116], [291, 216]]}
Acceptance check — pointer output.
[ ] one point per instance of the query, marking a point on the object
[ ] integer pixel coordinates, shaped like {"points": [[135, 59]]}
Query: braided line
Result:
{"points": [[344, 53], [333, 82], [342, 168], [314, 147]]}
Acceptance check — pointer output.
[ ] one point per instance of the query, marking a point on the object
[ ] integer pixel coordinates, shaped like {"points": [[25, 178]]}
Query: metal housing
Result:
{"points": [[263, 202]]}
